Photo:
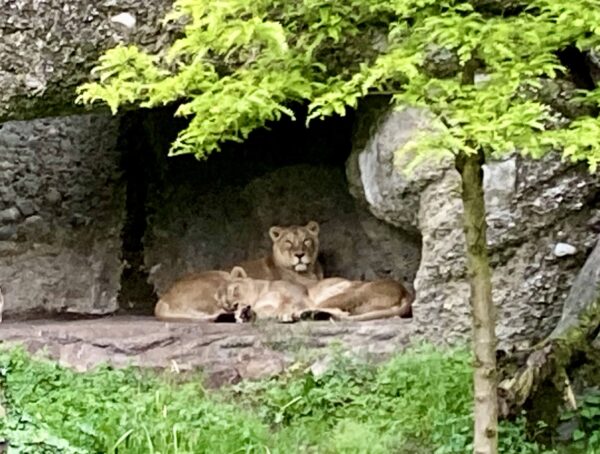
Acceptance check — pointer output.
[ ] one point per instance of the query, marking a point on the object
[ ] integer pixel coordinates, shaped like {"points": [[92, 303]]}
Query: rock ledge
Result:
{"points": [[226, 352]]}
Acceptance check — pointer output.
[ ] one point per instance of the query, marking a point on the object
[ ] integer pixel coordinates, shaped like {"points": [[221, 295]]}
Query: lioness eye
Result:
{"points": [[307, 242], [288, 243]]}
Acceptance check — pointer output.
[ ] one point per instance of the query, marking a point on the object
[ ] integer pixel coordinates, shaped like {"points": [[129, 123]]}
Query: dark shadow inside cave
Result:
{"points": [[186, 215], [136, 293]]}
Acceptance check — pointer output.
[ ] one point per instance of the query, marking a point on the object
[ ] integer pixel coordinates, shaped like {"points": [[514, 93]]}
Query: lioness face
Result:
{"points": [[231, 298], [295, 247], [236, 292], [232, 295]]}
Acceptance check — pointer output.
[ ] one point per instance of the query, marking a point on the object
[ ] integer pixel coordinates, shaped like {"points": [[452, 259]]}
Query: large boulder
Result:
{"points": [[584, 294], [62, 207], [373, 178], [542, 217], [48, 47]]}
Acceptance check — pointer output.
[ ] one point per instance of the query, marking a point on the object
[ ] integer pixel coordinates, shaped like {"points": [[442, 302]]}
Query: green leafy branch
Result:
{"points": [[239, 64]]}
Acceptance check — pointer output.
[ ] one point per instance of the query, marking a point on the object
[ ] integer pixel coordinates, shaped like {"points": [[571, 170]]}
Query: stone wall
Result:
{"points": [[542, 215], [62, 205]]}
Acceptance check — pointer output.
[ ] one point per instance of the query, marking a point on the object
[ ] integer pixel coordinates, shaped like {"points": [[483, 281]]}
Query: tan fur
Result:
{"points": [[262, 299], [361, 301], [192, 298], [294, 256], [340, 298]]}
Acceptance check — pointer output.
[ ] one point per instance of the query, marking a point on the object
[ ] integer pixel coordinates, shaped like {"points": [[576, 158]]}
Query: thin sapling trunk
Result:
{"points": [[483, 311]]}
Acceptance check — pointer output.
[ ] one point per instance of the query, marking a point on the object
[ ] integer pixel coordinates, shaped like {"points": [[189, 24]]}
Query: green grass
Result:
{"points": [[419, 402]]}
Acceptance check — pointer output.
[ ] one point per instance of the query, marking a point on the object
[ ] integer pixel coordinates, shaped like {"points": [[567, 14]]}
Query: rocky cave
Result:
{"points": [[98, 198], [96, 220]]}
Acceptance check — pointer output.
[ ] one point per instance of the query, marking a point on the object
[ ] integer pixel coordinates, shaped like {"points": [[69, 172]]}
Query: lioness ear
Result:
{"points": [[313, 227], [275, 232], [238, 273]]}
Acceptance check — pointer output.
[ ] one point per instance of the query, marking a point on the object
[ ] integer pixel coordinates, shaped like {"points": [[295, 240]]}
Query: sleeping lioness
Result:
{"points": [[335, 298], [294, 256], [294, 259], [192, 298], [261, 299], [360, 301]]}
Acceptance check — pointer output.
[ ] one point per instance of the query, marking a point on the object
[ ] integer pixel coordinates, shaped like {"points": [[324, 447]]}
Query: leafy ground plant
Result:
{"points": [[418, 402]]}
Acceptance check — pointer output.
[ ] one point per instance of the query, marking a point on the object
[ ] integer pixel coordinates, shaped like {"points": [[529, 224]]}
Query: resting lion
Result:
{"points": [[336, 298], [294, 256], [361, 301], [261, 299], [192, 298], [294, 259]]}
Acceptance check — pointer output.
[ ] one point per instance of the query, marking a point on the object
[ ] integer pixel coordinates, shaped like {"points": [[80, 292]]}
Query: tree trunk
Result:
{"points": [[528, 377], [484, 335]]}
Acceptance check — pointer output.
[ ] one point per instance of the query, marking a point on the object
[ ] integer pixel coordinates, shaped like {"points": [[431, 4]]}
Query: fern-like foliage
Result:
{"points": [[240, 63]]}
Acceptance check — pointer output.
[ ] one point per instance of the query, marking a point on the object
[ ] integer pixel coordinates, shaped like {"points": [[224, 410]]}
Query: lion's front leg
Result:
{"points": [[288, 317]]}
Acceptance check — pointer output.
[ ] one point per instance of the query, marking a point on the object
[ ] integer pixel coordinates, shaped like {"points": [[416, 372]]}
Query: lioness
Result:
{"points": [[361, 301], [261, 299], [192, 298], [335, 298], [294, 256]]}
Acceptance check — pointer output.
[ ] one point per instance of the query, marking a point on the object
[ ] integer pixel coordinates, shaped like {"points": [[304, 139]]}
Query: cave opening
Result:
{"points": [[185, 215]]}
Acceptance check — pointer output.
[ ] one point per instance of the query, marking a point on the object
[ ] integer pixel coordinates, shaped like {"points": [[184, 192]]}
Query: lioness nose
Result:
{"points": [[299, 255]]}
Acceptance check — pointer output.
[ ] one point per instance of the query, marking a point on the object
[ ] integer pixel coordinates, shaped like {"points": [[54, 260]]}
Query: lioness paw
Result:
{"points": [[288, 318]]}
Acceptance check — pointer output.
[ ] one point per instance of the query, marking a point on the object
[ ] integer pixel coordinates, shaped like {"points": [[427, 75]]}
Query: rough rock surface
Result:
{"points": [[49, 46], [532, 207], [227, 352], [62, 204], [390, 195], [584, 293]]}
